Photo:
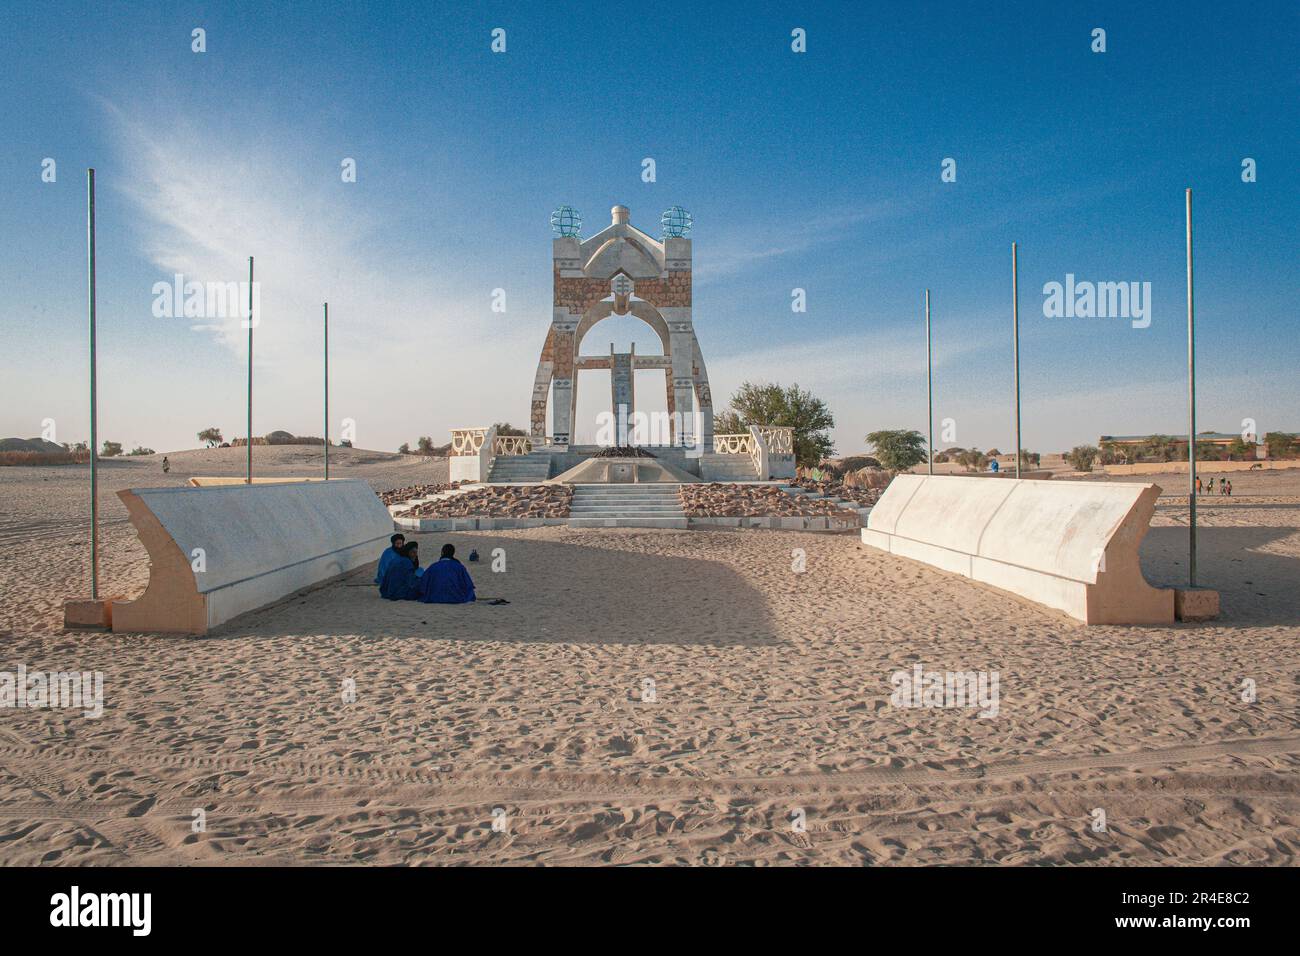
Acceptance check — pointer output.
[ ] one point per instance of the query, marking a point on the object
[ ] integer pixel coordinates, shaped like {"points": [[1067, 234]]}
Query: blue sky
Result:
{"points": [[818, 171]]}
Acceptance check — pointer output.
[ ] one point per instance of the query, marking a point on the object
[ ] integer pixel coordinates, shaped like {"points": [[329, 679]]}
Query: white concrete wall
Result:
{"points": [[1069, 545], [474, 467], [257, 544]]}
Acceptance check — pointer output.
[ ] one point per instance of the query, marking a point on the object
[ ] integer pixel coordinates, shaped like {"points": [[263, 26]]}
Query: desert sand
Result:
{"points": [[771, 697]]}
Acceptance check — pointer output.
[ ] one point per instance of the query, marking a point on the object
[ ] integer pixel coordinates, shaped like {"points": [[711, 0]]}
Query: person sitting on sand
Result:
{"points": [[446, 581], [400, 582], [391, 554]]}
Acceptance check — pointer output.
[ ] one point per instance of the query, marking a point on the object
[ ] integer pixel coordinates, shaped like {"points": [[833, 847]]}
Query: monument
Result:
{"points": [[622, 271]]}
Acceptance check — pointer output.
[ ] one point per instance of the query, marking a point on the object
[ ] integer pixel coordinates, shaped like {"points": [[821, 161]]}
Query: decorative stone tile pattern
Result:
{"points": [[672, 291]]}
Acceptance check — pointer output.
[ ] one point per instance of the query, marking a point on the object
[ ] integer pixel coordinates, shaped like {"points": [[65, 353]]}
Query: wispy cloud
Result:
{"points": [[204, 206], [736, 250]]}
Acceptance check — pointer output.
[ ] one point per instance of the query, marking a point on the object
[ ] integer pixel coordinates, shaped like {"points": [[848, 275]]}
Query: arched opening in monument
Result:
{"points": [[624, 333], [622, 376], [593, 388], [652, 387]]}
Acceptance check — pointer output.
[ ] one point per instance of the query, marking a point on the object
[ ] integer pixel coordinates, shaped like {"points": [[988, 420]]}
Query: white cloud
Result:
{"points": [[404, 361], [736, 249]]}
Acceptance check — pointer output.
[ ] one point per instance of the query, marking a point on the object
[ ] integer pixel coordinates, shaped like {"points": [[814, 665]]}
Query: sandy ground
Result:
{"points": [[770, 704]]}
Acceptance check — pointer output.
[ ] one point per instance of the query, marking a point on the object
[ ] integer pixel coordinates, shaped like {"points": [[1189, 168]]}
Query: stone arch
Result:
{"points": [[639, 309], [621, 270]]}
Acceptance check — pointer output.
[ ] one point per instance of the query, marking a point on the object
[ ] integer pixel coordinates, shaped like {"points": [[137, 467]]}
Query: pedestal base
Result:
{"points": [[84, 614], [1196, 604]]}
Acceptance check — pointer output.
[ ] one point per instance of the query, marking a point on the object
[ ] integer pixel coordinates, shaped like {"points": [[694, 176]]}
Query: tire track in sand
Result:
{"points": [[410, 789]]}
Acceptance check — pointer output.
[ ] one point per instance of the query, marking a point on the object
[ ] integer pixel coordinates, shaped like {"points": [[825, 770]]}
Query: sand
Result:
{"points": [[771, 703]]}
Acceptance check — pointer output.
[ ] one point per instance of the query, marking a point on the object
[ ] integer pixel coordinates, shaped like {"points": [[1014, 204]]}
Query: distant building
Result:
{"points": [[1138, 443]]}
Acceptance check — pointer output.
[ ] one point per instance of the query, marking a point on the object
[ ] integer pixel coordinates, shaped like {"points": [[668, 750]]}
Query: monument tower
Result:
{"points": [[622, 271]]}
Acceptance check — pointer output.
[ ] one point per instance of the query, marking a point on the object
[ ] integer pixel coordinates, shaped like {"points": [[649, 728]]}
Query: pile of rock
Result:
{"points": [[499, 501], [623, 451], [717, 500], [836, 488], [397, 495]]}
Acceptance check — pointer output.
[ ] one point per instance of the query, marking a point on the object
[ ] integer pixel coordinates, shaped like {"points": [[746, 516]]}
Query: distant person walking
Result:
{"points": [[1229, 489], [1198, 484], [167, 465]]}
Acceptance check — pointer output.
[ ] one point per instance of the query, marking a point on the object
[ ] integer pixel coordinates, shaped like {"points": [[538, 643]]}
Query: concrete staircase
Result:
{"points": [[627, 506], [533, 468], [715, 467]]}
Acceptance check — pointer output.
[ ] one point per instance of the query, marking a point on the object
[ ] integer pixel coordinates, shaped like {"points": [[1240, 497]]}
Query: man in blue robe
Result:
{"points": [[390, 555], [446, 581], [401, 581]]}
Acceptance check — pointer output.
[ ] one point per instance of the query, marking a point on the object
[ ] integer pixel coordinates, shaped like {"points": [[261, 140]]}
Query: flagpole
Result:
{"points": [[929, 388], [94, 416], [1191, 405], [1015, 344], [327, 391], [249, 449]]}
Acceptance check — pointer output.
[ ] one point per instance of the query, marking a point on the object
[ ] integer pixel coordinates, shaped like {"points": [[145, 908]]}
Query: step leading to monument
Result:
{"points": [[626, 506], [533, 467]]}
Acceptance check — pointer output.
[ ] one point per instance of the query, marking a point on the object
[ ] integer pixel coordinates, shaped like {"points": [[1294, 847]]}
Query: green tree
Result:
{"points": [[728, 423], [1238, 448], [140, 450], [1206, 451], [211, 435], [1161, 447], [405, 449], [1081, 457], [1113, 454], [793, 407], [1280, 444], [505, 428], [111, 449], [424, 446], [898, 450]]}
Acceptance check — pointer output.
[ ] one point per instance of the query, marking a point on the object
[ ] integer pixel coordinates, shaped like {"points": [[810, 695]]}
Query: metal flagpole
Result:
{"points": [[249, 450], [929, 387], [327, 391], [1015, 344], [94, 417], [1191, 403]]}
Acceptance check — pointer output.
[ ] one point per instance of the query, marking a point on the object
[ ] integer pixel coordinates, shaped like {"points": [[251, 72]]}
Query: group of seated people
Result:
{"points": [[400, 577]]}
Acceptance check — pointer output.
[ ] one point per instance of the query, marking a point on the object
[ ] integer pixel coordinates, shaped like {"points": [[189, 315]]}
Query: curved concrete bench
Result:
{"points": [[1070, 545], [216, 552]]}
